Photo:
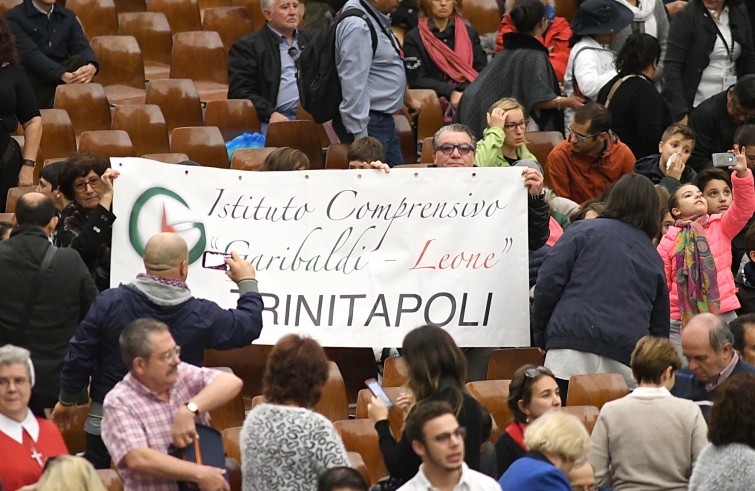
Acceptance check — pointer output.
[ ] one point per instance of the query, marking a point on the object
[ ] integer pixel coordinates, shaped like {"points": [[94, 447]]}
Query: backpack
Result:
{"points": [[317, 76]]}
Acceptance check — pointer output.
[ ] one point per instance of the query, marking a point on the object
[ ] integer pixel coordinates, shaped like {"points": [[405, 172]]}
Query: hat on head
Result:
{"points": [[600, 17]]}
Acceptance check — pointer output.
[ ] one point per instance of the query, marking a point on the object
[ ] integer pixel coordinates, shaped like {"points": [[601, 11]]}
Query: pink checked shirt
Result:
{"points": [[135, 417]]}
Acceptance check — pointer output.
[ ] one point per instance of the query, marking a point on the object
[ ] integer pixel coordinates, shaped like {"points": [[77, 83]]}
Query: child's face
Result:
{"points": [[668, 221], [690, 202], [718, 196], [676, 144]]}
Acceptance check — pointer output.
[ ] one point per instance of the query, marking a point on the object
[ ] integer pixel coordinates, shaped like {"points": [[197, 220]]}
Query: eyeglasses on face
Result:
{"points": [[444, 438], [17, 382], [580, 136], [168, 356], [92, 182], [521, 125], [463, 148]]}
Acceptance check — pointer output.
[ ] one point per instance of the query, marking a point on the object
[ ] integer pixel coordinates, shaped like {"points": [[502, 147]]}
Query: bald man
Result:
{"points": [[707, 343], [161, 293]]}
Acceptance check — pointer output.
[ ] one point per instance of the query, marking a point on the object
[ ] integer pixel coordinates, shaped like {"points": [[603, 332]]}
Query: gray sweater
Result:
{"points": [[724, 468]]}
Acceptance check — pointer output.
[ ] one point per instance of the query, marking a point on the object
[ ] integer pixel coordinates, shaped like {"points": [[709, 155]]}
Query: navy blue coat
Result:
{"points": [[600, 289], [688, 387]]}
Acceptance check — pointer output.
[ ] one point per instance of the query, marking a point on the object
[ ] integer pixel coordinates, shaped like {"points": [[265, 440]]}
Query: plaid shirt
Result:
{"points": [[135, 417]]}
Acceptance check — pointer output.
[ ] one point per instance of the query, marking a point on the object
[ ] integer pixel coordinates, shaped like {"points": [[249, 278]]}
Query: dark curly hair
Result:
{"points": [[80, 165], [639, 51], [732, 417], [296, 371], [8, 53]]}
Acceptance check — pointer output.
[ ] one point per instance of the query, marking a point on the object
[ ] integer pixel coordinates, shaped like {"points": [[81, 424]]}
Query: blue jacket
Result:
{"points": [[600, 289], [534, 472], [688, 387], [648, 167], [45, 47], [195, 324]]}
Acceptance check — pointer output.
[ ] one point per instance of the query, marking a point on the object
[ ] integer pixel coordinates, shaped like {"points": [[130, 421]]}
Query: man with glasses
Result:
{"points": [[716, 120], [158, 404], [438, 440], [160, 293], [590, 159], [262, 65]]}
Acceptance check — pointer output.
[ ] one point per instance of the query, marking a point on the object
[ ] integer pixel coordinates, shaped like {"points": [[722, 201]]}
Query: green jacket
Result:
{"points": [[488, 151]]}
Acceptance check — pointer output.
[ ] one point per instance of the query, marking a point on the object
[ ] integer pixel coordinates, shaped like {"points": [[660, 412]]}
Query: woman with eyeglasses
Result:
{"points": [[437, 372], [603, 287], [86, 223], [533, 392], [648, 439], [557, 442], [503, 143], [26, 441]]}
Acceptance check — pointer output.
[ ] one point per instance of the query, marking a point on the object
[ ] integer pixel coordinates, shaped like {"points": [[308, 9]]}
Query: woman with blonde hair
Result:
{"points": [[69, 473], [503, 142], [557, 441]]}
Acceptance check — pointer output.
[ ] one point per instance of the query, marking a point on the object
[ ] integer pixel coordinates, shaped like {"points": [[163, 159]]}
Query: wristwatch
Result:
{"points": [[192, 407], [29, 163]]}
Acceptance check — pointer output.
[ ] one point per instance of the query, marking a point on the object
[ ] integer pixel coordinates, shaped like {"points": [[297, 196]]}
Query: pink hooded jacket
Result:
{"points": [[720, 230]]}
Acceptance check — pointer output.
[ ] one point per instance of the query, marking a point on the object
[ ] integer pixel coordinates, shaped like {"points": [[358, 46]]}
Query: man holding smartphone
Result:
{"points": [[161, 293]]}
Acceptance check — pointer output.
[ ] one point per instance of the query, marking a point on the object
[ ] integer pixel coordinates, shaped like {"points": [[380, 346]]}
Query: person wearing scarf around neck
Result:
{"points": [[533, 392], [696, 250], [649, 17], [443, 53]]}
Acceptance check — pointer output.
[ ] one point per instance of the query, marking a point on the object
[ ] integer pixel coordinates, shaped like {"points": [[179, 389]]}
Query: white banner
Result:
{"points": [[352, 258]]}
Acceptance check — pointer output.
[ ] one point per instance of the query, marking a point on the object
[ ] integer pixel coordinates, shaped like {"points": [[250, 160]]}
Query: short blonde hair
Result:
{"points": [[69, 473], [507, 104], [558, 433]]}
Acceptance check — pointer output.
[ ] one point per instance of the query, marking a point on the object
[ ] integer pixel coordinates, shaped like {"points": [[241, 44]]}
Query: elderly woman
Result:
{"points": [[17, 104], [649, 438], [728, 462], [284, 444], [557, 441], [86, 223], [442, 53], [533, 392], [26, 442]]}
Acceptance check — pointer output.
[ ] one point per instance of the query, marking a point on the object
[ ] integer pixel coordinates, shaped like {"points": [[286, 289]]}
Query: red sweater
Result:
{"points": [[17, 467]]}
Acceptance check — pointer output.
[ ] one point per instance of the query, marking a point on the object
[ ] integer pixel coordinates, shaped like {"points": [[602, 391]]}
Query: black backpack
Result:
{"points": [[317, 76]]}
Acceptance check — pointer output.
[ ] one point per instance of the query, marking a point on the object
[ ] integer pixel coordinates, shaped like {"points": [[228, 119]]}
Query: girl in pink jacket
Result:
{"points": [[696, 251]]}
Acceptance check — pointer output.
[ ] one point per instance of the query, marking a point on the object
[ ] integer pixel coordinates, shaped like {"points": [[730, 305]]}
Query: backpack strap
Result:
{"points": [[354, 12], [615, 87], [574, 63], [34, 292]]}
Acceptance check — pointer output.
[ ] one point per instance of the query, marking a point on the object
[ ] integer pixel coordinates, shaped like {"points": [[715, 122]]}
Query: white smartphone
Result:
{"points": [[378, 392], [215, 260]]}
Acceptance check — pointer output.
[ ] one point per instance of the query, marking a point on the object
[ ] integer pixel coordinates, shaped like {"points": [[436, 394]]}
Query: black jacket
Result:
{"points": [[648, 167], [254, 68], [691, 37], [423, 73], [43, 47], [715, 131], [64, 298]]}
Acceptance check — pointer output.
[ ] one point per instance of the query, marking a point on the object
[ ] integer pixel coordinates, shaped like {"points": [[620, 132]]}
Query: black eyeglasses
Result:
{"points": [[293, 52], [533, 372], [444, 438], [580, 136], [448, 148]]}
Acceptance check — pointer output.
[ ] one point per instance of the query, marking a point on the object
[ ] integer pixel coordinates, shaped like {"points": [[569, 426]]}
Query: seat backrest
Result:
{"points": [[492, 395], [356, 462], [86, 104], [301, 135], [152, 32], [6, 5], [395, 415], [107, 143], [203, 144], [587, 414], [183, 15], [395, 372], [250, 158], [567, 8], [247, 363], [406, 139], [337, 156], [334, 403], [230, 414], [427, 156], [483, 15], [504, 362], [178, 100], [359, 436], [7, 217], [231, 442], [200, 56], [167, 158], [430, 115], [121, 61], [230, 22], [540, 143], [595, 389], [98, 17], [73, 434], [58, 138], [356, 366], [254, 9], [14, 194], [110, 478], [123, 6], [146, 126], [232, 117]]}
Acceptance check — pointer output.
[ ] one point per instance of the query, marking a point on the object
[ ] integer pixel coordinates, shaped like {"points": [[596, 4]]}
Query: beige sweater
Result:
{"points": [[647, 440]]}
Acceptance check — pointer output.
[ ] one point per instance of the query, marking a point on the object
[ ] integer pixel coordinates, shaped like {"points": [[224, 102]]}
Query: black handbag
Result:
{"points": [[207, 449]]}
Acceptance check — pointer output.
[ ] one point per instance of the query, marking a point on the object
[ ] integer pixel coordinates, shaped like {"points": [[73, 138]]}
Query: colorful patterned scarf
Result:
{"points": [[696, 275]]}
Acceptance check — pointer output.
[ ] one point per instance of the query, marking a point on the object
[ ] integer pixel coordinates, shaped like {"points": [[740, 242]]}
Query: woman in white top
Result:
{"points": [[709, 46], [649, 18], [591, 62], [648, 439]]}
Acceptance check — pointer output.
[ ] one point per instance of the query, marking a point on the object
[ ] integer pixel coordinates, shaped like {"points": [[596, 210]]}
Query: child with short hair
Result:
{"points": [[363, 151], [503, 143], [668, 167]]}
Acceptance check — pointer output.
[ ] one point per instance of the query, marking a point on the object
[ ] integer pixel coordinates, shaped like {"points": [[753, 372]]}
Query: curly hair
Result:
{"points": [[80, 165], [639, 51], [732, 417], [296, 371], [8, 52]]}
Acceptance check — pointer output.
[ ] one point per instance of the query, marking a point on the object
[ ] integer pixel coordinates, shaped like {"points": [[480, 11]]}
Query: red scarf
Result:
{"points": [[457, 64], [516, 432]]}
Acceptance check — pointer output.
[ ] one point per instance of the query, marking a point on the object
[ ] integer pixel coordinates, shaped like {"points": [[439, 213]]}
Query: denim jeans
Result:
{"points": [[381, 127]]}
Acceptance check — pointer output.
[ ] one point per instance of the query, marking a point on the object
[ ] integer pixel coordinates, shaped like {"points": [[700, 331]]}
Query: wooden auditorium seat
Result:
{"points": [[395, 415], [201, 57], [252, 159], [14, 194], [167, 158], [121, 70], [97, 17], [483, 15], [395, 372], [231, 442], [86, 105], [203, 144], [178, 100], [406, 139], [359, 436], [430, 115], [7, 217], [357, 463], [334, 403], [125, 6], [492, 395], [58, 138], [230, 22], [74, 435], [232, 117], [107, 143], [540, 143], [587, 414], [146, 126], [595, 389], [152, 32], [427, 156], [254, 9], [247, 363], [6, 5], [182, 15], [504, 362], [299, 134], [356, 365], [337, 156], [230, 414]]}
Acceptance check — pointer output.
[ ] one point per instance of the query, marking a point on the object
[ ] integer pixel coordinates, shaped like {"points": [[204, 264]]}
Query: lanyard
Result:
{"points": [[391, 37], [723, 39]]}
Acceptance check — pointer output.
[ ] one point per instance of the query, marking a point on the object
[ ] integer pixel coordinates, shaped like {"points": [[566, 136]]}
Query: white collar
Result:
{"points": [[14, 429], [426, 484], [650, 392]]}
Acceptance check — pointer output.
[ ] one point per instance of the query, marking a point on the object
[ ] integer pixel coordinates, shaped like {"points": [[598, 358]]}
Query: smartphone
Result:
{"points": [[378, 392], [724, 160], [215, 260]]}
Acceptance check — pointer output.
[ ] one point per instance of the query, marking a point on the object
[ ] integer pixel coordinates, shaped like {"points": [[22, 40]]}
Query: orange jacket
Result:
{"points": [[556, 39]]}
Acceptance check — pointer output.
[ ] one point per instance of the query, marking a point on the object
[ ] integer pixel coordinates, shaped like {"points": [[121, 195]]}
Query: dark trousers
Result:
{"points": [[10, 165], [381, 127], [46, 93], [96, 452], [563, 387]]}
